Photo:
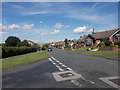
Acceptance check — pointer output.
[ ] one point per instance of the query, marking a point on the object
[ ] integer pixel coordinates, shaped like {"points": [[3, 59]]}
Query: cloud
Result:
{"points": [[91, 30], [11, 27], [16, 26], [28, 26], [67, 26], [58, 25], [43, 34], [55, 32], [33, 13], [2, 32], [79, 30]]}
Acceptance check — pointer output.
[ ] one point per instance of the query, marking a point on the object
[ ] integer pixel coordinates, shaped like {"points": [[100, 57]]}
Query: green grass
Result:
{"points": [[103, 53], [79, 49], [24, 59], [82, 49], [0, 51]]}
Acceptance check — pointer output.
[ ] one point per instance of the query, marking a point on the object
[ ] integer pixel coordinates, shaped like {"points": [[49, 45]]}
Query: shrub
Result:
{"points": [[117, 43], [12, 51], [108, 43], [115, 46], [101, 44]]}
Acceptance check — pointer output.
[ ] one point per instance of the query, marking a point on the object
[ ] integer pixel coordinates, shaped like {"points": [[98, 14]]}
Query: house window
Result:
{"points": [[118, 37], [88, 41]]}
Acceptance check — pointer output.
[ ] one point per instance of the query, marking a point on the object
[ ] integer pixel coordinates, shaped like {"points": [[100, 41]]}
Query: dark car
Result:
{"points": [[49, 49]]}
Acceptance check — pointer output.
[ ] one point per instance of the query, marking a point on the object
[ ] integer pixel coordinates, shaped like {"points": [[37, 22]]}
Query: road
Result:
{"points": [[40, 74]]}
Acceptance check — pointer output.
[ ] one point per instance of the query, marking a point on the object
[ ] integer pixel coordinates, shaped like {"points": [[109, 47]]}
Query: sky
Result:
{"points": [[45, 22]]}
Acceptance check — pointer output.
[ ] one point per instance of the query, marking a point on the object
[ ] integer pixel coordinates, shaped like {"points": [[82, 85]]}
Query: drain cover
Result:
{"points": [[64, 75], [116, 81], [113, 81], [67, 75]]}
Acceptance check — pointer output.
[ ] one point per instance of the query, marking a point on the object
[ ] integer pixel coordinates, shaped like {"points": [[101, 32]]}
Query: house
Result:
{"points": [[59, 43], [32, 43], [97, 37], [80, 42]]}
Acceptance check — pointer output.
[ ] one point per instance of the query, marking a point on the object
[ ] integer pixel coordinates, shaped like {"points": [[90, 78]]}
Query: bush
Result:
{"points": [[108, 43], [117, 43], [101, 44], [12, 51], [115, 46]]}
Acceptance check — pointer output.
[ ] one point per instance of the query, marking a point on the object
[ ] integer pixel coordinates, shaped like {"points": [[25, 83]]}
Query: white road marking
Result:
{"points": [[75, 82], [64, 65], [50, 59], [54, 63], [91, 82], [69, 68], [60, 63], [59, 68]]}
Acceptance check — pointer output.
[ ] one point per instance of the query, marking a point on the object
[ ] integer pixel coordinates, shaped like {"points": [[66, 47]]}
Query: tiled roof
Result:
{"points": [[82, 39], [104, 34]]}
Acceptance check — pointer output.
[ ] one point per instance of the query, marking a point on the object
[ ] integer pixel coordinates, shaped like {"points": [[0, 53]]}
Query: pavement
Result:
{"points": [[85, 72]]}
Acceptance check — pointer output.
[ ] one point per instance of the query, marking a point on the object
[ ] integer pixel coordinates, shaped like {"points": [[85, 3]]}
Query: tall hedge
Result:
{"points": [[12, 51]]}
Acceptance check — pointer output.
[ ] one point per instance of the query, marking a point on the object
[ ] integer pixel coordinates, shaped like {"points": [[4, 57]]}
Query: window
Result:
{"points": [[118, 37], [88, 41]]}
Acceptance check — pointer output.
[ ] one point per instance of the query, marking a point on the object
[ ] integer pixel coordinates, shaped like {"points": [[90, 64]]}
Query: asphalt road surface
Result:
{"points": [[40, 74]]}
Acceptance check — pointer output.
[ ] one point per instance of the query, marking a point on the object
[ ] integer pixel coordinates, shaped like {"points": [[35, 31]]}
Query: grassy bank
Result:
{"points": [[103, 53], [24, 59]]}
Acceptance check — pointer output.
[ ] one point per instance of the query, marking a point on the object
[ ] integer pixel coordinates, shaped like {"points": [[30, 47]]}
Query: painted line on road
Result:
{"points": [[68, 68], [56, 64], [75, 82]]}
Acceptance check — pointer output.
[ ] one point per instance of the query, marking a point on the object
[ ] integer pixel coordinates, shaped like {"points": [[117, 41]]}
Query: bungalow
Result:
{"points": [[59, 43], [80, 42], [97, 37]]}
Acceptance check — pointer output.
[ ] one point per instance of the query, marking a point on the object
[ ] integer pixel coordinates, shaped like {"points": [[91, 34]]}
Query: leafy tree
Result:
{"points": [[25, 43], [12, 41], [45, 46], [66, 42]]}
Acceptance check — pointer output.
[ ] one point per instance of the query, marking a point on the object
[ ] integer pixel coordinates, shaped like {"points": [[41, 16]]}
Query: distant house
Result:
{"points": [[32, 43], [81, 41], [97, 37], [59, 43]]}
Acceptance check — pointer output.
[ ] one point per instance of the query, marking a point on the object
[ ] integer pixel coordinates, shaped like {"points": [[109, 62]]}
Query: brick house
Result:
{"points": [[97, 37], [80, 42], [59, 43]]}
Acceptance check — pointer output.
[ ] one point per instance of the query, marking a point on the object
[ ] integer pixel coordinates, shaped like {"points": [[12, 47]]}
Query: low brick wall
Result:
{"points": [[109, 49]]}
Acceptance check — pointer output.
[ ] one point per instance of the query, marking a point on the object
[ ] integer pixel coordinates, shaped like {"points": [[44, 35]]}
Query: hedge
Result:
{"points": [[12, 51]]}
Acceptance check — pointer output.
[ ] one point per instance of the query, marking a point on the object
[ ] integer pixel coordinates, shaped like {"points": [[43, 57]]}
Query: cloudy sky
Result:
{"points": [[44, 22]]}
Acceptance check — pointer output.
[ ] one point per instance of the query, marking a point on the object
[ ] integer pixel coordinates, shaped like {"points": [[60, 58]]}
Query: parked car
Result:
{"points": [[49, 49]]}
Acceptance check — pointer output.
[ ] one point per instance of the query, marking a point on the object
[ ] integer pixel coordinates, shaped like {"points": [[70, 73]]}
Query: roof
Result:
{"points": [[82, 39], [104, 34]]}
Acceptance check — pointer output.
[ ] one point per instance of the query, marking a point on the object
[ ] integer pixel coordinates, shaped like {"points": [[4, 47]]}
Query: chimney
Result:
{"points": [[93, 31]]}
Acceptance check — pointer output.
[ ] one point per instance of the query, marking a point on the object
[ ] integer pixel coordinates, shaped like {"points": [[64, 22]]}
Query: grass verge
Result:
{"points": [[79, 49], [24, 59], [103, 53]]}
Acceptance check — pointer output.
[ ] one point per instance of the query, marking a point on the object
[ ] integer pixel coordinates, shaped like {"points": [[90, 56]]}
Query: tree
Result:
{"points": [[25, 43], [66, 42], [12, 41], [45, 46]]}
